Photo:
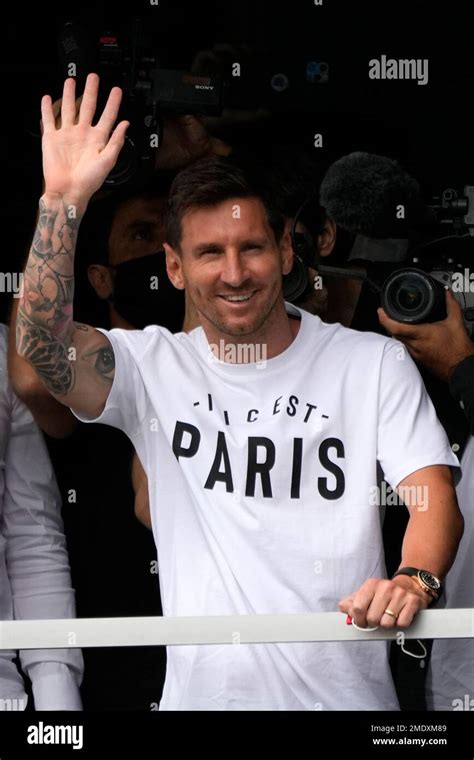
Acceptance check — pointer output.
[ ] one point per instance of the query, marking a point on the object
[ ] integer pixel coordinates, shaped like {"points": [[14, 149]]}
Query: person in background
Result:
{"points": [[446, 349], [35, 580], [444, 353]]}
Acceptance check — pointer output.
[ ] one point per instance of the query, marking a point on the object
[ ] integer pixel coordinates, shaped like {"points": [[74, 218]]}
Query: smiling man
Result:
{"points": [[259, 477], [233, 266]]}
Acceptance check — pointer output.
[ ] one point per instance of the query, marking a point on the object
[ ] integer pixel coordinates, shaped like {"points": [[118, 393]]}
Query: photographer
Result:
{"points": [[446, 350], [235, 518]]}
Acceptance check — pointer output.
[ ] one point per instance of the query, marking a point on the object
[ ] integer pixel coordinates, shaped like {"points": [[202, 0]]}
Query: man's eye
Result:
{"points": [[142, 234], [253, 248]]}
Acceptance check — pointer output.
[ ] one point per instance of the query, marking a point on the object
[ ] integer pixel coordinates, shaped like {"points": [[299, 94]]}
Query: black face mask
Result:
{"points": [[144, 295]]}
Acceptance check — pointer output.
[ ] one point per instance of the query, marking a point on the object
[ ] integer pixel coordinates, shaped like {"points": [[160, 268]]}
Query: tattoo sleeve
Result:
{"points": [[44, 320]]}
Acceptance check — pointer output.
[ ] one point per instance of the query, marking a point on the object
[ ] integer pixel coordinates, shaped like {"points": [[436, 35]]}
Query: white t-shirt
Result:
{"points": [[260, 479], [450, 678]]}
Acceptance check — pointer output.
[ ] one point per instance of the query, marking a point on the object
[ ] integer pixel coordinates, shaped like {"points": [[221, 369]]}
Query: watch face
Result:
{"points": [[430, 580]]}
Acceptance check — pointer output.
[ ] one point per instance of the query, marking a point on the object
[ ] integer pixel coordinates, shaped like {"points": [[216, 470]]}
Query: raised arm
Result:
{"points": [[74, 361]]}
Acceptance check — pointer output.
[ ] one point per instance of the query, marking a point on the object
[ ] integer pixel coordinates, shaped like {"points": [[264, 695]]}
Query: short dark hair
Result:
{"points": [[213, 180]]}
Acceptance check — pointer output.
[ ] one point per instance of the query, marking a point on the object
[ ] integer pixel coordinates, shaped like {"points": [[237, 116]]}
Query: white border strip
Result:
{"points": [[231, 629]]}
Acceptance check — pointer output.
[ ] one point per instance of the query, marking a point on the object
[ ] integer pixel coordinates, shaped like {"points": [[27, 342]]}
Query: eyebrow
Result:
{"points": [[142, 223], [218, 247]]}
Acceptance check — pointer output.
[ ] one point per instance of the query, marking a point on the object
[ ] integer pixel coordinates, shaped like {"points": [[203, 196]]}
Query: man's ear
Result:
{"points": [[327, 238], [100, 277], [287, 254], [174, 266]]}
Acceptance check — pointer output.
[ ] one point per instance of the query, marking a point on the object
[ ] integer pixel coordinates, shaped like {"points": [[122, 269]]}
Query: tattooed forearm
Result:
{"points": [[56, 230], [48, 356], [44, 319]]}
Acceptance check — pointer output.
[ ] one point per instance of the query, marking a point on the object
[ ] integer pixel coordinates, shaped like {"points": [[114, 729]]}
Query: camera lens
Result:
{"points": [[125, 167], [412, 296], [296, 282]]}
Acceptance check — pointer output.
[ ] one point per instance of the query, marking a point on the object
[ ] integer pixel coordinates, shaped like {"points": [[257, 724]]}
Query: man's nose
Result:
{"points": [[233, 271]]}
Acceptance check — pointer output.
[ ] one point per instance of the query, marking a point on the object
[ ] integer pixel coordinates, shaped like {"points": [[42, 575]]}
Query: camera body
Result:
{"points": [[454, 210], [311, 217], [411, 281], [149, 91], [416, 294], [130, 62]]}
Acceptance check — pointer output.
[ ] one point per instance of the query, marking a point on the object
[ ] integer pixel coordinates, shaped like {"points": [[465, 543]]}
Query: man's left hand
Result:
{"points": [[439, 346], [369, 604]]}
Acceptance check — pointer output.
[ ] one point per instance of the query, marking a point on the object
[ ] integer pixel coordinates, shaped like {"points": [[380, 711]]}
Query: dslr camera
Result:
{"points": [[415, 293]]}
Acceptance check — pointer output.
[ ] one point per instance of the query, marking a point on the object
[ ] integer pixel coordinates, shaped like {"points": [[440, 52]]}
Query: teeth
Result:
{"points": [[237, 298]]}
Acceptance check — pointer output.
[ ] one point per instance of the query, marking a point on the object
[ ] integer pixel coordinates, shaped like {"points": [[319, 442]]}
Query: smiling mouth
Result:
{"points": [[241, 298]]}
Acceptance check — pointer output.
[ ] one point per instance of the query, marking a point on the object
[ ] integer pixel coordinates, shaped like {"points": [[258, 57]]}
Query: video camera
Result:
{"points": [[149, 90], [413, 292]]}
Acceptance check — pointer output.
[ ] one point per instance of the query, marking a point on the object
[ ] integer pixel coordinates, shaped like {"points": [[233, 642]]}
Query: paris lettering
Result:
{"points": [[261, 456]]}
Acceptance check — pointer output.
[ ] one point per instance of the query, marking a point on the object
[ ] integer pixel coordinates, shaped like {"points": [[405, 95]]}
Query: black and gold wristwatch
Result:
{"points": [[426, 581]]}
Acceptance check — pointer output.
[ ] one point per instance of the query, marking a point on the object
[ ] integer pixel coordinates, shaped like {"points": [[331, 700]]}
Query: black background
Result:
{"points": [[428, 128]]}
